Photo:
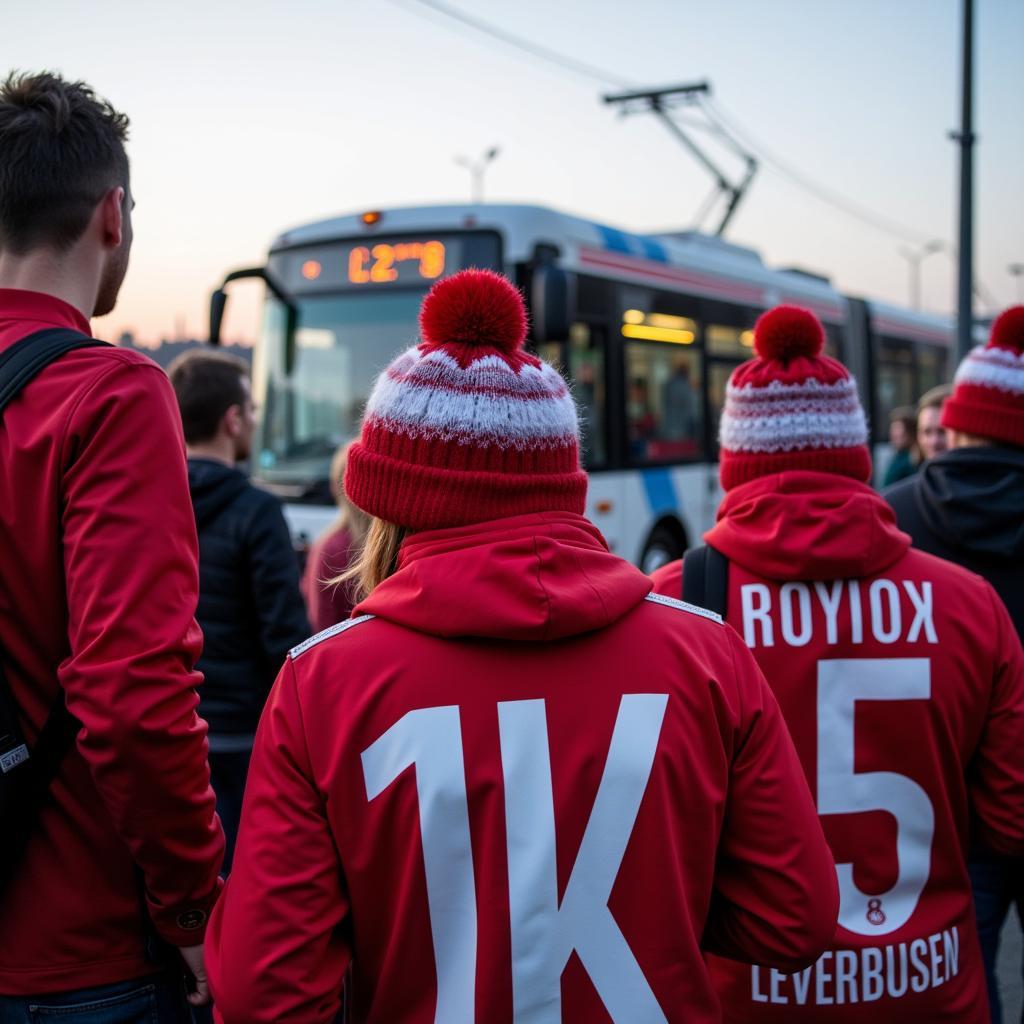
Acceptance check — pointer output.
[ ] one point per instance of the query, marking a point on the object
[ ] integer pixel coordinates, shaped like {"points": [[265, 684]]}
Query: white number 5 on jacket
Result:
{"points": [[841, 790]]}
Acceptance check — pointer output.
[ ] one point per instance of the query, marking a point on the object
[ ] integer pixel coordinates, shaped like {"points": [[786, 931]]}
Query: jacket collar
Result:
{"points": [[18, 304]]}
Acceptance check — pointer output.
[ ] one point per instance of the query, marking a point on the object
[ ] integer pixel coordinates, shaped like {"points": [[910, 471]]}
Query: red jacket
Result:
{"points": [[98, 588], [330, 555], [575, 742], [902, 681]]}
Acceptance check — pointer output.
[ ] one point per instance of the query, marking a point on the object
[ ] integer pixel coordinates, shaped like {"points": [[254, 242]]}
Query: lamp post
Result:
{"points": [[476, 170], [915, 257], [1017, 271]]}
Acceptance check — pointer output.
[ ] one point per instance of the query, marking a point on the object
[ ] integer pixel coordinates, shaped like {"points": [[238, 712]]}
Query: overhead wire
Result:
{"points": [[722, 124]]}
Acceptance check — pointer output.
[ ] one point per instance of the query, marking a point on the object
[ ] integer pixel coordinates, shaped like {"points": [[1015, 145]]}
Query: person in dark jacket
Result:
{"points": [[967, 505], [250, 608]]}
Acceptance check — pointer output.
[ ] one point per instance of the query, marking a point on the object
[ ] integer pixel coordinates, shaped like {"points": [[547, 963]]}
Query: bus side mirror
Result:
{"points": [[218, 300], [549, 303], [291, 317]]}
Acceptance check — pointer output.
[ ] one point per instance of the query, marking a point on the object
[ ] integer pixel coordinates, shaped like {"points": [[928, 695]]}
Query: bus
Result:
{"points": [[645, 328]]}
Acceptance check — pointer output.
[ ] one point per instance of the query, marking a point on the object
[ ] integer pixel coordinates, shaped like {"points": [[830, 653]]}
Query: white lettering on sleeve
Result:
{"points": [[756, 613], [933, 949]]}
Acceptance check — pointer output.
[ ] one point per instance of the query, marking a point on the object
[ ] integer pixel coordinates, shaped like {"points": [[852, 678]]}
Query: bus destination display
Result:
{"points": [[371, 264]]}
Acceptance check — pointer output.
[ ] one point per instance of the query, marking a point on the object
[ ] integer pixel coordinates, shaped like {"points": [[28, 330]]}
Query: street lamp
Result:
{"points": [[915, 257], [476, 170], [1017, 270]]}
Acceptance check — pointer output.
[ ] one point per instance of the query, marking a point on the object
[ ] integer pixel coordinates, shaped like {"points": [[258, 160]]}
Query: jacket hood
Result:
{"points": [[213, 487], [537, 577], [808, 526], [974, 499]]}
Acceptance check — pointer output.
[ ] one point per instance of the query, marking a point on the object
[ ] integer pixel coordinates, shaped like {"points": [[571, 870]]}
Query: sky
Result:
{"points": [[248, 119]]}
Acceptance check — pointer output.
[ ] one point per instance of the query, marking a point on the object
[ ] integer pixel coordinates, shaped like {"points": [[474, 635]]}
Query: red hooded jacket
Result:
{"points": [[98, 589], [515, 780], [902, 681]]}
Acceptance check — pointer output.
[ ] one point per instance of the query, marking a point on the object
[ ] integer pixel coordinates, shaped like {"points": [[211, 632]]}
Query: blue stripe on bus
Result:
{"points": [[653, 249], [617, 241], [661, 492]]}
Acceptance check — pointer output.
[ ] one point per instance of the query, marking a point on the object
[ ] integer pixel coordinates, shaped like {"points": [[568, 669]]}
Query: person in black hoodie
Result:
{"points": [[967, 505], [250, 608]]}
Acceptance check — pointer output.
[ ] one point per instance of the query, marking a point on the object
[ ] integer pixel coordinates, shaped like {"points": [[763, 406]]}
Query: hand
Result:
{"points": [[193, 957]]}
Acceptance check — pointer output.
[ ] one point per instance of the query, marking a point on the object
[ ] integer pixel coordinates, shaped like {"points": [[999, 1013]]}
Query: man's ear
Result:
{"points": [[112, 217], [232, 420]]}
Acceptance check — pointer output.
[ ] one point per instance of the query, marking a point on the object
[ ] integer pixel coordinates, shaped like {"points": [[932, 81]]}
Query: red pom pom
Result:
{"points": [[786, 332], [474, 307], [1008, 330]]}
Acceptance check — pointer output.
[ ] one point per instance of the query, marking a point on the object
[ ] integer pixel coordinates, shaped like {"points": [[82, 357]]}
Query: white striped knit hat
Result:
{"points": [[466, 426], [988, 397], [792, 407]]}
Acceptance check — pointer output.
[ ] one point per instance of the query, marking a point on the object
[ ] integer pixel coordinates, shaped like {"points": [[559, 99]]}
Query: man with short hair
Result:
{"points": [[901, 679], [931, 435], [967, 505], [98, 589], [250, 605]]}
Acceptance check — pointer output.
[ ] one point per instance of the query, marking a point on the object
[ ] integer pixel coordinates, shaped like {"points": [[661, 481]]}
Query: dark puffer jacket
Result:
{"points": [[967, 506], [250, 608]]}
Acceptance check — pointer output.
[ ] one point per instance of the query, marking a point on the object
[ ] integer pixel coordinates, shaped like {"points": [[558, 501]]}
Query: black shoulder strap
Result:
{"points": [[25, 777], [30, 356], [706, 579]]}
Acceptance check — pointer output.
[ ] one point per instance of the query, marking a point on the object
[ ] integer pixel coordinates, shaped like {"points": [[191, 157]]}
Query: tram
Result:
{"points": [[645, 328]]}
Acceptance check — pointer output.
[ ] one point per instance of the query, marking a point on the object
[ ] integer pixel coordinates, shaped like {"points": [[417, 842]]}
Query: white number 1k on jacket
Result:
{"points": [[544, 932]]}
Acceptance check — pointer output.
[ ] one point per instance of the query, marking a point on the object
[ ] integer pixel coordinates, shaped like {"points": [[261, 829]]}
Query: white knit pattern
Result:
{"points": [[996, 368], [486, 402], [785, 417]]}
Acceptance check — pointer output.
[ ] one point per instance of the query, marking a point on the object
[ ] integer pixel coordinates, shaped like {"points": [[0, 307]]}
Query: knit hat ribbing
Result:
{"points": [[792, 407], [988, 397], [467, 426]]}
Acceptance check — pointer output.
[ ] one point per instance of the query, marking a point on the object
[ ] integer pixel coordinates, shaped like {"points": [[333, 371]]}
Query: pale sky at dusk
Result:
{"points": [[249, 119]]}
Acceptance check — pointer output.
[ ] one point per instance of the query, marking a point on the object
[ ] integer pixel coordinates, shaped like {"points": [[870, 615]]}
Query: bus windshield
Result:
{"points": [[341, 344]]}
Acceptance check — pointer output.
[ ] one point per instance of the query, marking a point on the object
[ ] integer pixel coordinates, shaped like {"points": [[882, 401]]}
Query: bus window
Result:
{"points": [[833, 342], [664, 419], [718, 376], [931, 367], [731, 342], [894, 384], [586, 371]]}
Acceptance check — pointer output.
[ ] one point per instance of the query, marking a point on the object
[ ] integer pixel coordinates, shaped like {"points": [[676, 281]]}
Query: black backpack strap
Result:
{"points": [[28, 357], [25, 776], [706, 579]]}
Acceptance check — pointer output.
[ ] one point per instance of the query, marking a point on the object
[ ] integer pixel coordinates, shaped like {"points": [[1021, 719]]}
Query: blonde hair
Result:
{"points": [[350, 518], [377, 560]]}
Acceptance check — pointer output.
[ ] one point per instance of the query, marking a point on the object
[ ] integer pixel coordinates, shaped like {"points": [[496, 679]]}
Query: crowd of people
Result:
{"points": [[510, 777]]}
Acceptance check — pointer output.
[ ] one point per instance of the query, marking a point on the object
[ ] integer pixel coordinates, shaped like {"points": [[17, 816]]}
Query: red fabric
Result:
{"points": [[725, 852], [986, 409], [98, 586], [736, 468], [476, 309], [389, 476], [330, 555], [961, 745]]}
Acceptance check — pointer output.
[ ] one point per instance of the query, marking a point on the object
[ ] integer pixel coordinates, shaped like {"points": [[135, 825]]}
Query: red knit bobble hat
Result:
{"points": [[792, 407], [466, 426], [988, 397]]}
